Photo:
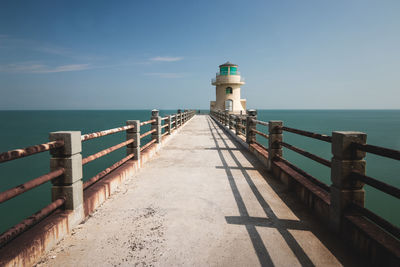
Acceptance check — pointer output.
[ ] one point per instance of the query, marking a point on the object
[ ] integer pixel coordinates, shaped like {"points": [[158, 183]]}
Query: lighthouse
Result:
{"points": [[227, 90]]}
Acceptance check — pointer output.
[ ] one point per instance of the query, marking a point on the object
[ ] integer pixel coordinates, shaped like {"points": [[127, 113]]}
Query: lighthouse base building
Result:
{"points": [[227, 90]]}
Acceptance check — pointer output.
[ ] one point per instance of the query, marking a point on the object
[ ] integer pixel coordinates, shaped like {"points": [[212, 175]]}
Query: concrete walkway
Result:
{"points": [[203, 201]]}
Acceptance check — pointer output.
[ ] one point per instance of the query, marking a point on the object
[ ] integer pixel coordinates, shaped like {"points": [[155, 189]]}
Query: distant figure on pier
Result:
{"points": [[228, 82]]}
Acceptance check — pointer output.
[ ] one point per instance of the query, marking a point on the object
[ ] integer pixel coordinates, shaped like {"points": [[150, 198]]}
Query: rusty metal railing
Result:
{"points": [[322, 137], [22, 188], [148, 144], [103, 173], [384, 224], [237, 122], [309, 155], [27, 223], [305, 174], [28, 151], [105, 152], [260, 133], [147, 133], [380, 151], [90, 136], [147, 122]]}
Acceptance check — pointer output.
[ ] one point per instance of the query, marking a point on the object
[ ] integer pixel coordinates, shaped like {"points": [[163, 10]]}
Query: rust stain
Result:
{"points": [[89, 136], [23, 152]]}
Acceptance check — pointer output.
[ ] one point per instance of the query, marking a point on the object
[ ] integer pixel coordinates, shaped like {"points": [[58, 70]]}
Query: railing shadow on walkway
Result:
{"points": [[281, 225]]}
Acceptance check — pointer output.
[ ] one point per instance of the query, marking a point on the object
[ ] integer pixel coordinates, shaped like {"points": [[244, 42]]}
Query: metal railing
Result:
{"points": [[246, 126], [169, 124]]}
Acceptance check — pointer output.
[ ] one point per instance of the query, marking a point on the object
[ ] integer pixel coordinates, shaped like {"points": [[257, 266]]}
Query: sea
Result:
{"points": [[19, 129]]}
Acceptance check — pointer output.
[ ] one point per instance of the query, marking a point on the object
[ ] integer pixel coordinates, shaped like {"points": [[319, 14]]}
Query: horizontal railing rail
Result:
{"points": [[105, 152], [90, 136], [147, 133], [322, 137], [260, 122], [28, 151], [27, 223], [148, 144], [147, 122], [22, 188], [384, 224], [383, 152], [106, 171], [309, 155], [261, 133], [261, 145], [384, 187], [377, 150], [305, 174]]}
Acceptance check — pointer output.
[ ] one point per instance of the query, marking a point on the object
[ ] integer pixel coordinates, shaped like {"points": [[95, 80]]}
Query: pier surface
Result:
{"points": [[202, 201]]}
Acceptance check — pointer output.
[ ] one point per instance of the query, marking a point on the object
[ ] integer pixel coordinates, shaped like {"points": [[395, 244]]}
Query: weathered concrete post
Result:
{"points": [[237, 128], [156, 125], [226, 117], [176, 121], [134, 133], [180, 117], [231, 118], [274, 145], [169, 122], [344, 190], [69, 185], [250, 125]]}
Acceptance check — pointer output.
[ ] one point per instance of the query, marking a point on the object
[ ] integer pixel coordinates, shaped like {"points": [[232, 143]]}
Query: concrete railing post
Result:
{"points": [[250, 125], [169, 122], [156, 125], [237, 128], [180, 117], [231, 118], [226, 117], [344, 190], [176, 121], [274, 145], [134, 133], [69, 185]]}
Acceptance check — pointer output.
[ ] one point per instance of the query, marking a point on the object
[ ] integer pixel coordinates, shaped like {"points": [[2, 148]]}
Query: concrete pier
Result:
{"points": [[204, 200]]}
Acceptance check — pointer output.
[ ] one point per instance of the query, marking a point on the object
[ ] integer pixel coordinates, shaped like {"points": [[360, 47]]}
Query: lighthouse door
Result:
{"points": [[229, 105]]}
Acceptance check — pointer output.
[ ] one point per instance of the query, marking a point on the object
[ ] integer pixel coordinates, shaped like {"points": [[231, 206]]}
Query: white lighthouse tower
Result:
{"points": [[227, 83]]}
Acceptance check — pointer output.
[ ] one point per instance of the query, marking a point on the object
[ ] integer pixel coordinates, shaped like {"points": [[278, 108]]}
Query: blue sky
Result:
{"points": [[162, 54]]}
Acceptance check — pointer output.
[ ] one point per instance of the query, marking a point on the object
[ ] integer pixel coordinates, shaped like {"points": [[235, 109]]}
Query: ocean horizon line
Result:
{"points": [[203, 109]]}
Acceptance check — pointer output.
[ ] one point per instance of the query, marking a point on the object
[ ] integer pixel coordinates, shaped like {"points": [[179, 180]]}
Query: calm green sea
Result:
{"points": [[25, 128]]}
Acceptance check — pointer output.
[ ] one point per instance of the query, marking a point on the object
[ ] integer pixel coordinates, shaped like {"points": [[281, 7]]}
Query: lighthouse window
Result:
{"points": [[233, 71], [229, 105], [228, 90], [223, 71]]}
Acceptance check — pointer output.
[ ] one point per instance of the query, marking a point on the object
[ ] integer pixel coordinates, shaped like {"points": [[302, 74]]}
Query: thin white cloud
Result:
{"points": [[19, 44], [31, 67], [166, 59], [168, 75]]}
